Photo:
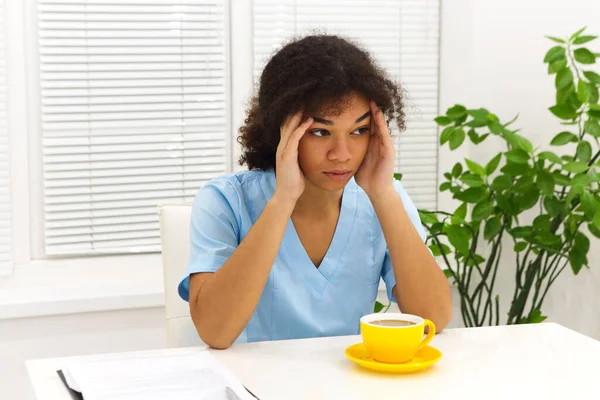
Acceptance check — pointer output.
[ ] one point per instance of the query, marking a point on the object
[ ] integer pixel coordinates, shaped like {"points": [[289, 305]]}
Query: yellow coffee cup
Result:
{"points": [[394, 337]]}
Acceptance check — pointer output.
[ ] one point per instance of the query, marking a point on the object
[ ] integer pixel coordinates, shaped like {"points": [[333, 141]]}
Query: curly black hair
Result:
{"points": [[314, 73]]}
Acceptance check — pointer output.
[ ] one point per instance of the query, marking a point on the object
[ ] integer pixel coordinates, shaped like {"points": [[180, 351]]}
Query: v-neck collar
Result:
{"points": [[296, 255]]}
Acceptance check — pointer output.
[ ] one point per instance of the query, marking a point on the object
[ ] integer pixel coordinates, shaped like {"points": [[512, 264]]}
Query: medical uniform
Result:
{"points": [[299, 300]]}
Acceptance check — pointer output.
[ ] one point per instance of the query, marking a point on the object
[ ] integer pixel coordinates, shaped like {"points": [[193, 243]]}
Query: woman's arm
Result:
{"points": [[222, 302], [421, 286]]}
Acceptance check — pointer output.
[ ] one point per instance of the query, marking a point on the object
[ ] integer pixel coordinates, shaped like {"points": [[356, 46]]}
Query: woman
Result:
{"points": [[296, 246]]}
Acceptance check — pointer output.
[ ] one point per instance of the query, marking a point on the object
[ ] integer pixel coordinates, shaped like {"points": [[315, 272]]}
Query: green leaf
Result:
{"points": [[428, 218], [557, 40], [529, 199], [458, 237], [446, 134], [545, 182], [472, 195], [557, 65], [475, 138], [457, 137], [563, 111], [472, 180], [474, 167], [593, 230], [594, 113], [537, 317], [586, 92], [480, 114], [518, 142], [592, 77], [506, 204], [475, 259], [584, 39], [493, 164], [398, 176], [555, 53], [501, 182], [445, 186], [520, 246], [492, 227], [523, 183], [588, 203], [582, 180], [550, 156], [577, 260], [542, 222], [443, 121], [563, 138], [457, 113], [576, 34], [483, 210], [553, 206], [517, 156], [575, 167], [564, 78], [378, 307], [547, 238], [461, 211], [592, 127], [514, 169], [435, 250], [495, 127], [575, 191], [561, 179], [521, 232], [457, 170], [584, 56], [584, 151], [448, 273]]}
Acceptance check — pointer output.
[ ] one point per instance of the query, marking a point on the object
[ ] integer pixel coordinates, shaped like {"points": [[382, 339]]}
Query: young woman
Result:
{"points": [[295, 247]]}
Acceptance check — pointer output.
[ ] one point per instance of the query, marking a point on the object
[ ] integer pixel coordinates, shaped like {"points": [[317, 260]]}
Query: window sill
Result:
{"points": [[68, 286]]}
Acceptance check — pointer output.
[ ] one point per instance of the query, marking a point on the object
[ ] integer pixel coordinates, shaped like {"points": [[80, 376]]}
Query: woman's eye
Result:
{"points": [[360, 131], [319, 132]]}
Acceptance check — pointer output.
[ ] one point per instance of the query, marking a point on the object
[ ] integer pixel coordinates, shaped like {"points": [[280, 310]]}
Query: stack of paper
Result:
{"points": [[189, 376]]}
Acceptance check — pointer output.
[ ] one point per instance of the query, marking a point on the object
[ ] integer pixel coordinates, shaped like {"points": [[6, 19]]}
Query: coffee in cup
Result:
{"points": [[394, 337]]}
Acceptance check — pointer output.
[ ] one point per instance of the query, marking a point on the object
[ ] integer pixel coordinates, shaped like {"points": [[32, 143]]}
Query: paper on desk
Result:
{"points": [[195, 376]]}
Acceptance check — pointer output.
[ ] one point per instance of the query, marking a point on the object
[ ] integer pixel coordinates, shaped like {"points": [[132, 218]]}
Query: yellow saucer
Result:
{"points": [[424, 358]]}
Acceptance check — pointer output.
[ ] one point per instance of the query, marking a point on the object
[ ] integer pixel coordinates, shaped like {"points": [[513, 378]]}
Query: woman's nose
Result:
{"points": [[340, 151]]}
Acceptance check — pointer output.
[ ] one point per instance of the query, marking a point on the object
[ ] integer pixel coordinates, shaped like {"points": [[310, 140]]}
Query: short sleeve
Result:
{"points": [[387, 272], [214, 230]]}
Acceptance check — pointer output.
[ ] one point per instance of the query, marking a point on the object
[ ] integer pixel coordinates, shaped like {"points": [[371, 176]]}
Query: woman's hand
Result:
{"points": [[375, 174], [289, 177]]}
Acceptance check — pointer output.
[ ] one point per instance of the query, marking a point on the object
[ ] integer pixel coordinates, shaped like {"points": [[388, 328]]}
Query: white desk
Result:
{"points": [[531, 362]]}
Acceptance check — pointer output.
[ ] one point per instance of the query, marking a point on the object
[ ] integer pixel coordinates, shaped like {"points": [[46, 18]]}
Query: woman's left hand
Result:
{"points": [[375, 174]]}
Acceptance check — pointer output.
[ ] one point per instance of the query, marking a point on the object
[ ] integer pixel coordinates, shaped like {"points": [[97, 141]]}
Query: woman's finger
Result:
{"points": [[298, 133], [289, 126], [380, 124]]}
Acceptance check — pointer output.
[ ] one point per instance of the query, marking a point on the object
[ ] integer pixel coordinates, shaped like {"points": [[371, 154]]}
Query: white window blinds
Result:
{"points": [[403, 37], [134, 114], [5, 215]]}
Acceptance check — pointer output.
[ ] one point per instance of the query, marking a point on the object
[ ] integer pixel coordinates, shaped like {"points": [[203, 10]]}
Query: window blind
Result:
{"points": [[134, 114], [5, 215], [403, 35]]}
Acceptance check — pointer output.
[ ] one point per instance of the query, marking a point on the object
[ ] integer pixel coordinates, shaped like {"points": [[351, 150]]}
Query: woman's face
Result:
{"points": [[333, 147]]}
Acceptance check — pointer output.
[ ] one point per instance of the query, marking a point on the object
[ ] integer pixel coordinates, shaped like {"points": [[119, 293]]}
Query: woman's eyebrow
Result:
{"points": [[324, 121]]}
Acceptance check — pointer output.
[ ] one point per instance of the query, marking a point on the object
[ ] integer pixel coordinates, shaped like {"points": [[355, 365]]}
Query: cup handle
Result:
{"points": [[430, 334]]}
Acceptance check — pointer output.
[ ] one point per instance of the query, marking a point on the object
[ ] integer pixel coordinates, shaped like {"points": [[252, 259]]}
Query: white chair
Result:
{"points": [[175, 239]]}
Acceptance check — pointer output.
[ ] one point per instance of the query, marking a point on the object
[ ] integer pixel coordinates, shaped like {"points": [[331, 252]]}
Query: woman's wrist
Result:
{"points": [[282, 204]]}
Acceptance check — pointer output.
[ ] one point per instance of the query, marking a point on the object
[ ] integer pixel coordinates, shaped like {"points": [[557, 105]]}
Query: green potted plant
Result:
{"points": [[559, 193]]}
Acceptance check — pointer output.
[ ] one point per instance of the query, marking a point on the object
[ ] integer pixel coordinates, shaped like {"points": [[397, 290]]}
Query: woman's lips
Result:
{"points": [[337, 174]]}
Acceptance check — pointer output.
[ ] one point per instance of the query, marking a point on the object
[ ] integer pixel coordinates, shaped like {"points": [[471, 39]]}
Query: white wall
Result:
{"points": [[70, 335], [492, 54]]}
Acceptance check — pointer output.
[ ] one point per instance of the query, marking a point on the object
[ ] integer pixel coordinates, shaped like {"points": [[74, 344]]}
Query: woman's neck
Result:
{"points": [[317, 203]]}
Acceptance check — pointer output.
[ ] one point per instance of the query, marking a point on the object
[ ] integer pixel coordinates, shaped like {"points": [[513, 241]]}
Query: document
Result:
{"points": [[189, 376]]}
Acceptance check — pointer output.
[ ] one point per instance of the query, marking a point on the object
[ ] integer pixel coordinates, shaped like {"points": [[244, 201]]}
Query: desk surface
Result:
{"points": [[545, 361]]}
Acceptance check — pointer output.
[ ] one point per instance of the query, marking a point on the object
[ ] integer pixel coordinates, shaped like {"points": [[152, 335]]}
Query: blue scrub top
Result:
{"points": [[299, 300]]}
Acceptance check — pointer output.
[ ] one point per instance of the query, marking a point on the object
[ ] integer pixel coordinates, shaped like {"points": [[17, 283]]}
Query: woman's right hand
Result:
{"points": [[289, 177]]}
